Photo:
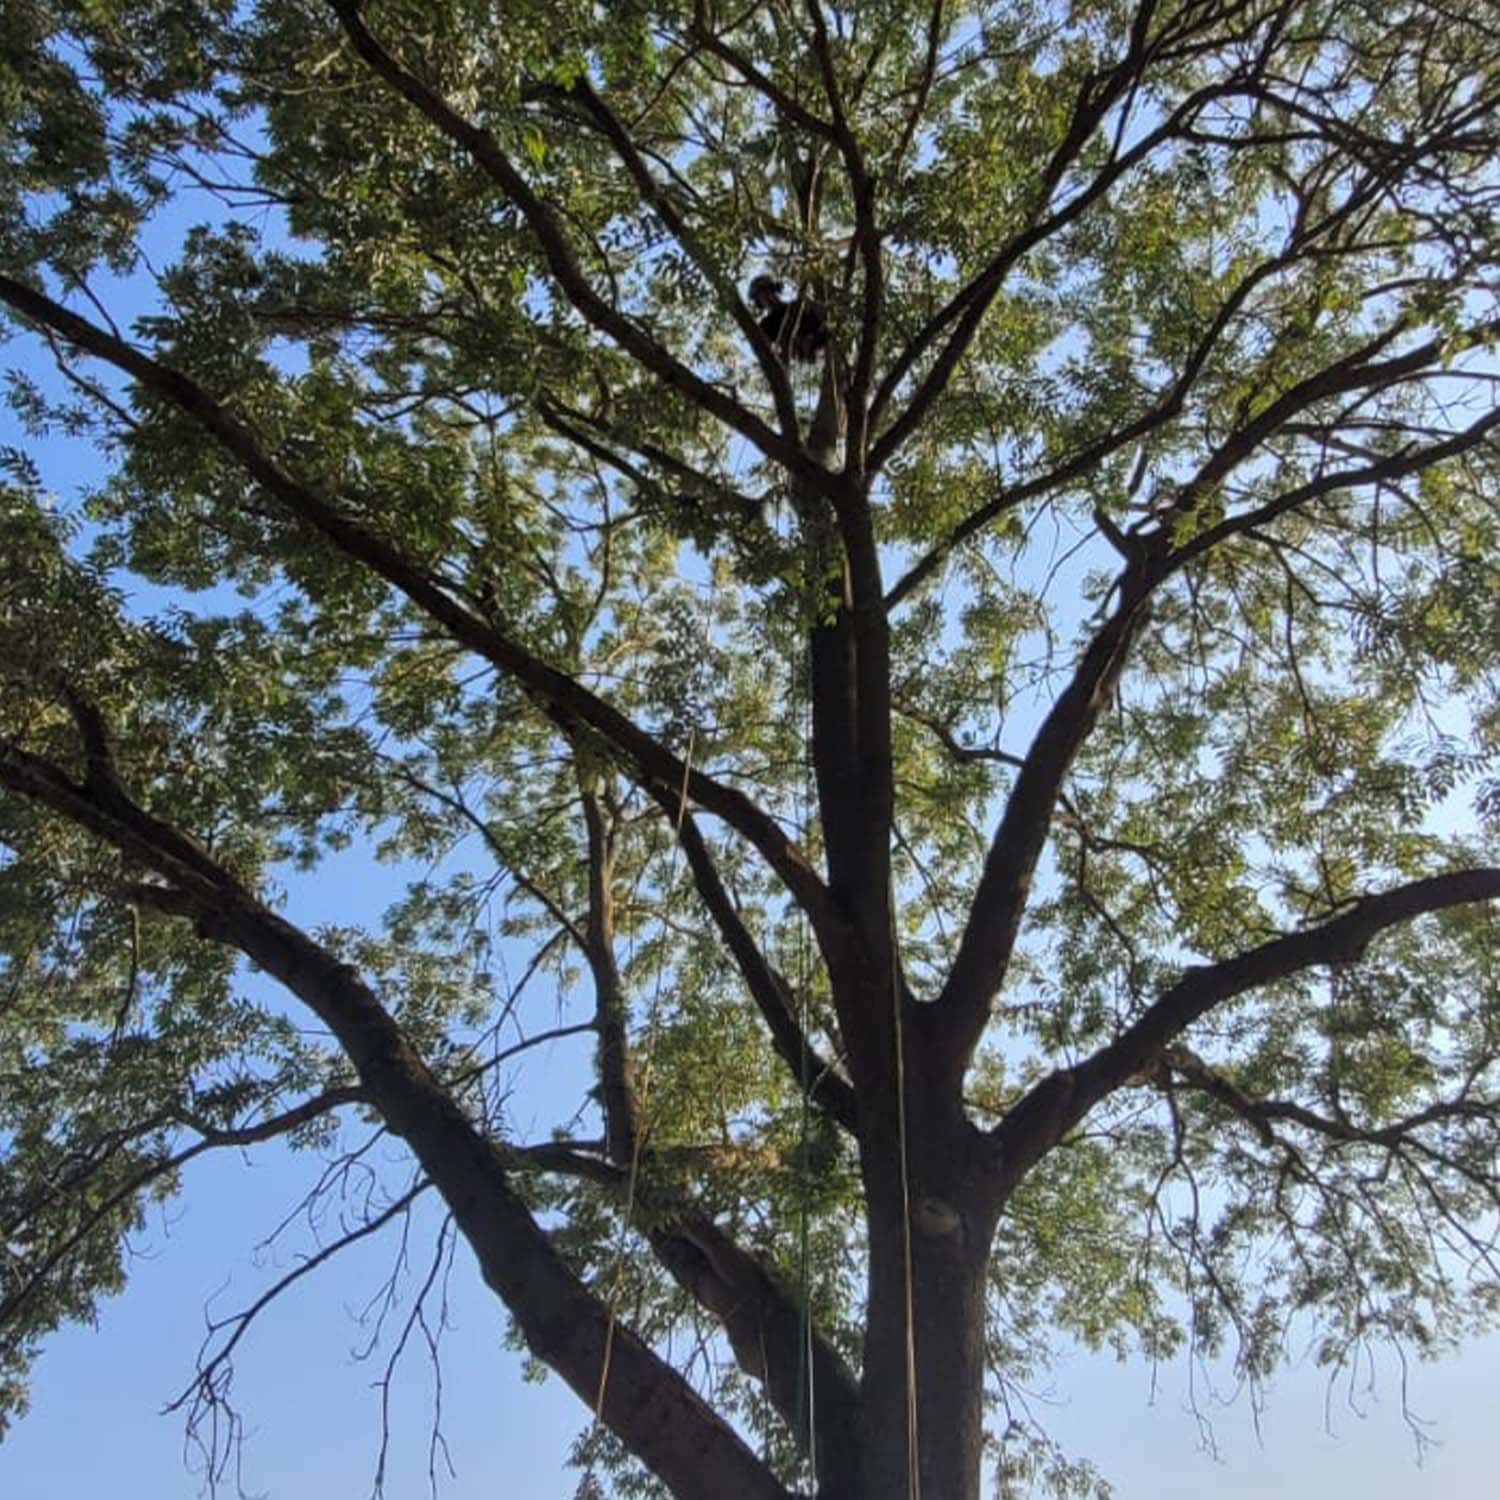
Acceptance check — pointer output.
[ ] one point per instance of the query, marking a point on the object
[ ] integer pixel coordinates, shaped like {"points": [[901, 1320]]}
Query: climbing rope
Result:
{"points": [[806, 1386], [913, 1465], [644, 1094]]}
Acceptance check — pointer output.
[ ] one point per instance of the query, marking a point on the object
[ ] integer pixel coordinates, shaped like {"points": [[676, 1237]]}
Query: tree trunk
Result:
{"points": [[936, 1335]]}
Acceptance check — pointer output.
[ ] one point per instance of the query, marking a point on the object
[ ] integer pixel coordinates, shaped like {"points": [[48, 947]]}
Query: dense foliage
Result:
{"points": [[1001, 808]]}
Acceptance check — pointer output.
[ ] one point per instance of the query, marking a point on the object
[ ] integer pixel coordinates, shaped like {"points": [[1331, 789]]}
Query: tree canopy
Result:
{"points": [[1002, 808]]}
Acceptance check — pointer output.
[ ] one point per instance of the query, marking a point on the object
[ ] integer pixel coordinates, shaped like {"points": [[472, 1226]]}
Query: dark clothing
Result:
{"points": [[796, 329]]}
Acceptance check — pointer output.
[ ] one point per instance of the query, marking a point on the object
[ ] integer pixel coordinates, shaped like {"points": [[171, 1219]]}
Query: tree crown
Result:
{"points": [[988, 799]]}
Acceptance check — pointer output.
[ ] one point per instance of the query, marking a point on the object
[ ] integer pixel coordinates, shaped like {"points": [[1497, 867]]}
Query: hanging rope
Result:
{"points": [[913, 1464], [806, 1386], [644, 1092]]}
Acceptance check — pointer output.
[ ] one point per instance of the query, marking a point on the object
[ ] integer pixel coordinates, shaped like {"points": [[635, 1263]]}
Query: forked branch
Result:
{"points": [[565, 699], [562, 262], [1060, 1101], [651, 1407]]}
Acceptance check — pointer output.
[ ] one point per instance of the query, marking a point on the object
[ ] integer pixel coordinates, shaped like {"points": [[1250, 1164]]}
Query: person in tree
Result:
{"points": [[795, 326]]}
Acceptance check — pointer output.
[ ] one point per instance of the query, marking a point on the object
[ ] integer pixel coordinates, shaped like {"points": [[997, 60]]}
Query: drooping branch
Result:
{"points": [[567, 700], [100, 1212], [207, 1383], [104, 1202], [654, 1411], [760, 1315], [1055, 1105]]}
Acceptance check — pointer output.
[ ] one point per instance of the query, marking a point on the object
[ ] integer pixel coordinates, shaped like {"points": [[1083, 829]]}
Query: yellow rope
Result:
{"points": [[806, 1383], [913, 1465]]}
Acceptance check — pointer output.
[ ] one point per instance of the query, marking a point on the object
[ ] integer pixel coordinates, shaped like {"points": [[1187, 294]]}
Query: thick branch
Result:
{"points": [[771, 365], [655, 1412], [1263, 1114], [872, 684], [1000, 898], [785, 104], [563, 263], [1088, 458], [1355, 372], [769, 1336], [849, 652], [761, 1318], [826, 1088], [965, 310], [866, 240], [1047, 1112], [617, 1091], [849, 658], [1386, 470], [190, 873], [567, 700], [277, 1125]]}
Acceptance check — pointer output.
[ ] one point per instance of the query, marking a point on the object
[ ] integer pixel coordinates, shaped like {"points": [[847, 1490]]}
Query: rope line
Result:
{"points": [[806, 1382], [644, 1093], [913, 1465]]}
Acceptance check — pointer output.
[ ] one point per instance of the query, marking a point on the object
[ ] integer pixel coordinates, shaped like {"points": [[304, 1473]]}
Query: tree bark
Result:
{"points": [[924, 1353]]}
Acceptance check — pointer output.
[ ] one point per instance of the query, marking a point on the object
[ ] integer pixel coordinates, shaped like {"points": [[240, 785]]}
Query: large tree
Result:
{"points": [[1001, 804]]}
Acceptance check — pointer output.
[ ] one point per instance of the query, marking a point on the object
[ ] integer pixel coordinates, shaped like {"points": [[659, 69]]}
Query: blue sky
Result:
{"points": [[313, 1417]]}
